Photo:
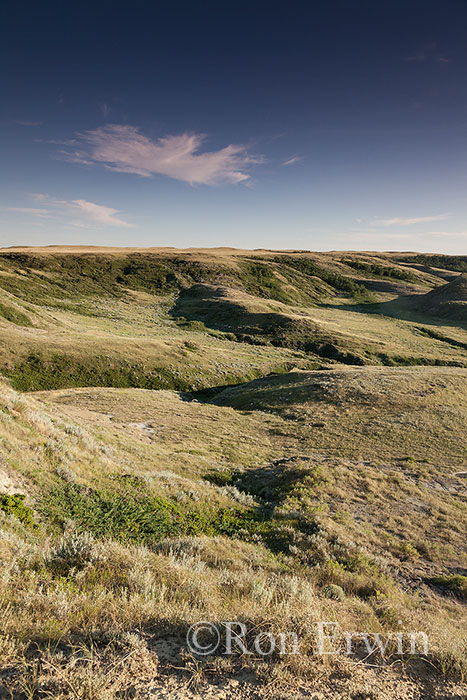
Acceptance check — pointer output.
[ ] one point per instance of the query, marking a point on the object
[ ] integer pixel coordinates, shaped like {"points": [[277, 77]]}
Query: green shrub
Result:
{"points": [[379, 270], [334, 592], [14, 505], [142, 518], [455, 583], [458, 263], [333, 279], [220, 478], [259, 278]]}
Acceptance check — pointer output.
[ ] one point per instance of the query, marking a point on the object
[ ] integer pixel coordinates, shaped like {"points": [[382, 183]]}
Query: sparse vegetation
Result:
{"points": [[9, 313], [208, 440], [458, 263], [455, 583]]}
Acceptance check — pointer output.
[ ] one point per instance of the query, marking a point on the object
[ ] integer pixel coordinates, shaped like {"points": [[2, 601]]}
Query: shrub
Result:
{"points": [[455, 583], [378, 270], [144, 518], [11, 314], [334, 592], [74, 551], [219, 478], [14, 505], [333, 279]]}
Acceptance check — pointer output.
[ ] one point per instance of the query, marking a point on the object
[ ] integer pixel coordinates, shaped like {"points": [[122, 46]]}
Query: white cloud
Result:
{"points": [[84, 212], [125, 149], [461, 234], [28, 210], [294, 159], [97, 212], [400, 221]]}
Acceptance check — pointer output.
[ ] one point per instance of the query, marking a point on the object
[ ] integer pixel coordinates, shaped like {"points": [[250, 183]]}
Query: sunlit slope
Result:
{"points": [[190, 320], [150, 511], [372, 412], [154, 444]]}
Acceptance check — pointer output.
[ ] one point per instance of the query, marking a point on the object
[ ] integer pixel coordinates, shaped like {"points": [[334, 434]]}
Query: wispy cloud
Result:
{"points": [[294, 159], [82, 212], [104, 109], [27, 123], [409, 221], [28, 210], [97, 212], [429, 53], [125, 149], [456, 234], [19, 122]]}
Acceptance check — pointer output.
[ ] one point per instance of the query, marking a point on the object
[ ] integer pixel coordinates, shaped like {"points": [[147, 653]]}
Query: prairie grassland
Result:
{"points": [[291, 489], [401, 413], [129, 320], [77, 603]]}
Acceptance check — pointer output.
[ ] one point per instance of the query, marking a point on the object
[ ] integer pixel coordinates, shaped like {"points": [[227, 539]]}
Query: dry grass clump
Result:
{"points": [[84, 617]]}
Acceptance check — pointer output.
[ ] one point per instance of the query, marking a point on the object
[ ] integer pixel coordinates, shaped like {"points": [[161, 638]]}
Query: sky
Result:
{"points": [[322, 125]]}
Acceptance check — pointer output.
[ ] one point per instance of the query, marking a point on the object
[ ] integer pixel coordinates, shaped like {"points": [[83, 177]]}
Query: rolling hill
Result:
{"points": [[270, 437], [449, 301]]}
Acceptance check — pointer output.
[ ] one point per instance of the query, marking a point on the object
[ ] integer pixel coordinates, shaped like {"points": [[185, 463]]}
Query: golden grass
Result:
{"points": [[355, 464]]}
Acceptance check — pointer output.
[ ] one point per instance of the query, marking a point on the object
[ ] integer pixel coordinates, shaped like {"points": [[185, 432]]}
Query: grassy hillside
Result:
{"points": [[273, 438], [192, 320], [405, 413], [192, 495], [450, 300]]}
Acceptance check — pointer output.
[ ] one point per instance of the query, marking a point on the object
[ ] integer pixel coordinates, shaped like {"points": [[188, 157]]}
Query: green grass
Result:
{"points": [[9, 313], [38, 372], [379, 270], [455, 583]]}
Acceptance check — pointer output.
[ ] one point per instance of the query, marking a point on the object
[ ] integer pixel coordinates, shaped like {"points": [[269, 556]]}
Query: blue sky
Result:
{"points": [[339, 124]]}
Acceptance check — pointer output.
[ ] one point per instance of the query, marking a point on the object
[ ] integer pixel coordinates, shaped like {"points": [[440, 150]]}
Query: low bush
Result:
{"points": [[14, 505], [455, 583]]}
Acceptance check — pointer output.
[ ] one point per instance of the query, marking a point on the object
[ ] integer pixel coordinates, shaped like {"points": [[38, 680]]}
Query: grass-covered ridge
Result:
{"points": [[196, 319], [372, 412], [228, 435]]}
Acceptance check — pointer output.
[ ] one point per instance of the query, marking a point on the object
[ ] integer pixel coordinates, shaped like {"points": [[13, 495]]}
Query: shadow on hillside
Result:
{"points": [[403, 308]]}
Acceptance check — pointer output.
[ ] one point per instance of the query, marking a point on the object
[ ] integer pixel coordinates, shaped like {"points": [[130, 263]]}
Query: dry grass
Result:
{"points": [[371, 412], [102, 629], [347, 475], [76, 608]]}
